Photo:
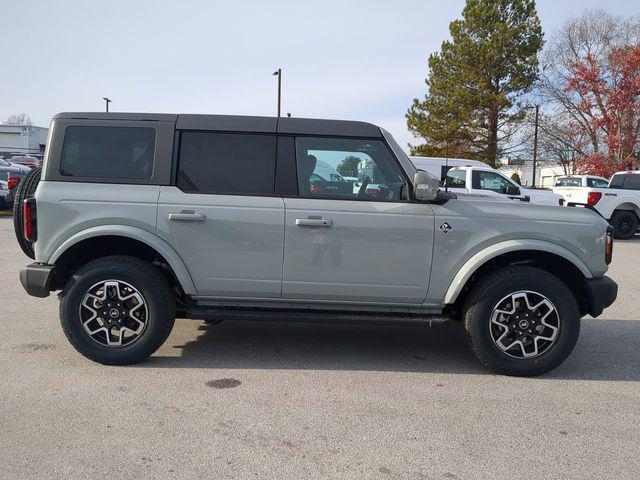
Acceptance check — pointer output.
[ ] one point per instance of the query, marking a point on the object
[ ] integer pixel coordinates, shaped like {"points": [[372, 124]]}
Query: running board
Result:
{"points": [[322, 316]]}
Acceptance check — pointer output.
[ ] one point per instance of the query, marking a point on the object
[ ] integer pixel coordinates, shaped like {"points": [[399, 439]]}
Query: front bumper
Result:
{"points": [[36, 279], [602, 292]]}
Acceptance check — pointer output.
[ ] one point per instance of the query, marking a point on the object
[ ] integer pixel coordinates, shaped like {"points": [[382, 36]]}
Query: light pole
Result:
{"points": [[535, 146], [278, 73], [107, 101]]}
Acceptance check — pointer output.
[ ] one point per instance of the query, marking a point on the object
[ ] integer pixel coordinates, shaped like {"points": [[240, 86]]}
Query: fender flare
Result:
{"points": [[170, 255], [486, 254]]}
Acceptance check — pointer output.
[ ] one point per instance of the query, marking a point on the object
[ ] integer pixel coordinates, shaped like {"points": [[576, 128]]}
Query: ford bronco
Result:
{"points": [[139, 218]]}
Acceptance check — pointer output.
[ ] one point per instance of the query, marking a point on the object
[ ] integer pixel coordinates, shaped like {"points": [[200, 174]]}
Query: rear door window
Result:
{"points": [[227, 163], [108, 152]]}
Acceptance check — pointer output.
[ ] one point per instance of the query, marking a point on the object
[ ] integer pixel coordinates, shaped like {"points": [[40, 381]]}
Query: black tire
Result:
{"points": [[150, 283], [490, 290], [25, 189], [625, 224]]}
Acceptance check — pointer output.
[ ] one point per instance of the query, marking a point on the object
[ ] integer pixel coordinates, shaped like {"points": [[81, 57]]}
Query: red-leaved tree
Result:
{"points": [[610, 101]]}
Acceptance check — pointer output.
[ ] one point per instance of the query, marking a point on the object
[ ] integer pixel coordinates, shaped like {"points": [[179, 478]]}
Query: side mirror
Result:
{"points": [[425, 186], [512, 191]]}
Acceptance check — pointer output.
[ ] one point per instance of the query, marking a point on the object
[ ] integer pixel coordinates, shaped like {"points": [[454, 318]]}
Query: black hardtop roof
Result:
{"points": [[240, 123]]}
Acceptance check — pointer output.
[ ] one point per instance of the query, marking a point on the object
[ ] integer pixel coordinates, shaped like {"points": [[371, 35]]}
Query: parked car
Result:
{"points": [[25, 160], [7, 168], [13, 180], [581, 181], [4, 192], [619, 202], [134, 234]]}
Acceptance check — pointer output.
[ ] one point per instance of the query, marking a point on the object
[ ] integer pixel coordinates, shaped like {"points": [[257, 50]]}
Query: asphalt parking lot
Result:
{"points": [[284, 400]]}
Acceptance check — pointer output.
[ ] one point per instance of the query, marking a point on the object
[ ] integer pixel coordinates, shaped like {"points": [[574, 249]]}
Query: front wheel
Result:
{"points": [[521, 321], [117, 310]]}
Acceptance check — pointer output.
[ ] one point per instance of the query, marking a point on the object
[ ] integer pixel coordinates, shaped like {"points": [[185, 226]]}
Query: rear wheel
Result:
{"points": [[625, 224], [25, 189], [521, 321], [117, 310]]}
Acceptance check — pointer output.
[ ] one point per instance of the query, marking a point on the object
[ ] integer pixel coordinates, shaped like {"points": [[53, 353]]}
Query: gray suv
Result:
{"points": [[139, 218]]}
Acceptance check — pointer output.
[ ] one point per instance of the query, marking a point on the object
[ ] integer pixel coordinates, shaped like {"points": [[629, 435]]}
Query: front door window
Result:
{"points": [[323, 164]]}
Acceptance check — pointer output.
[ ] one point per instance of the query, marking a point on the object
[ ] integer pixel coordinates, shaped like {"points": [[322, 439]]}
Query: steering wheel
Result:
{"points": [[363, 188]]}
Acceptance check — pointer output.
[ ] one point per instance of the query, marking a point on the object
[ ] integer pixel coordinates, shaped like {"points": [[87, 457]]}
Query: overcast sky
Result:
{"points": [[359, 60]]}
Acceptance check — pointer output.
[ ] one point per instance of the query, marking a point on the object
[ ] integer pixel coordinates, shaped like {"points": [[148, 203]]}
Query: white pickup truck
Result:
{"points": [[619, 203], [478, 178]]}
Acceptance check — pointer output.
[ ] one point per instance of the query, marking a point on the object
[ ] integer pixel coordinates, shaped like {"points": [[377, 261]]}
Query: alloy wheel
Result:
{"points": [[113, 313], [524, 324]]}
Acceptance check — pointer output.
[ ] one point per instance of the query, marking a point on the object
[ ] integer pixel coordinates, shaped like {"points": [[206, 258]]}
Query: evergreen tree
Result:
{"points": [[476, 79]]}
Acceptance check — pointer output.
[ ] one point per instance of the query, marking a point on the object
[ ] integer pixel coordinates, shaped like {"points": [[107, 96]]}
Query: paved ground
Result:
{"points": [[314, 401]]}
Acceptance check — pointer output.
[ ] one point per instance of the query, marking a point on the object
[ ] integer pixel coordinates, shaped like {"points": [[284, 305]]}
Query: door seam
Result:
{"points": [[284, 243]]}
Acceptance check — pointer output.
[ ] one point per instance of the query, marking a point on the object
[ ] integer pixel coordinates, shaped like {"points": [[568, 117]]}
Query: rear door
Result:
{"points": [[367, 245], [222, 216]]}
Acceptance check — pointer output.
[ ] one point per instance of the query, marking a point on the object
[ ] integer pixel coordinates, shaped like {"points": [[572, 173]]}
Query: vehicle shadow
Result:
{"points": [[606, 350]]}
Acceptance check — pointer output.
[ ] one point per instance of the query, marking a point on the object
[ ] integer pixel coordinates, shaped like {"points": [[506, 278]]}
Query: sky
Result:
{"points": [[353, 60]]}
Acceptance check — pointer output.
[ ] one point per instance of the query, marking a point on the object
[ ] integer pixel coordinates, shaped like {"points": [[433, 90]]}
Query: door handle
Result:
{"points": [[186, 216], [314, 222]]}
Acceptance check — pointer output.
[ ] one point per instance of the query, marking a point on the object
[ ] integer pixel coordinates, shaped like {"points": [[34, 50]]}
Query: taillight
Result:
{"points": [[593, 198], [12, 182], [316, 189], [608, 245], [29, 227], [374, 192]]}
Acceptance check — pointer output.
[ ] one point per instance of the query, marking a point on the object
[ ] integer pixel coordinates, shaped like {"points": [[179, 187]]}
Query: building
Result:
{"points": [[546, 174], [25, 139]]}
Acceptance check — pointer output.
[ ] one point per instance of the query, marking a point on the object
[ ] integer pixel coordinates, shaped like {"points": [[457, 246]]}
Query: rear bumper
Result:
{"points": [[36, 279], [602, 292]]}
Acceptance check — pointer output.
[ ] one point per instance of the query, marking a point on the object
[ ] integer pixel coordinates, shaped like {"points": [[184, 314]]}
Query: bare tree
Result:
{"points": [[19, 119], [596, 33]]}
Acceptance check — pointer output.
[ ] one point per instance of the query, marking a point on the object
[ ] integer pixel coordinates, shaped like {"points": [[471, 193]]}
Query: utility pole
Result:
{"points": [[107, 101], [535, 146], [278, 73]]}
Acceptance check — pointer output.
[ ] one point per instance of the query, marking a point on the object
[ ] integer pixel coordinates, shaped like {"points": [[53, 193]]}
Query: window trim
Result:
{"points": [[395, 160], [178, 146]]}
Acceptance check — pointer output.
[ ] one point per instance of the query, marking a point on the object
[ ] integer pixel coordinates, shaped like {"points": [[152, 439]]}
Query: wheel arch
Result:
{"points": [[97, 242], [552, 258], [626, 205]]}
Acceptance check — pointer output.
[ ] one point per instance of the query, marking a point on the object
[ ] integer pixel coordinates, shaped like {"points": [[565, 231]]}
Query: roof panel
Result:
{"points": [[310, 126], [229, 123], [156, 117]]}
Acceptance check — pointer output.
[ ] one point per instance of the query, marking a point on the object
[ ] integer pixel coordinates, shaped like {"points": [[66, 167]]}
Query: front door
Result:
{"points": [[222, 217], [364, 243]]}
